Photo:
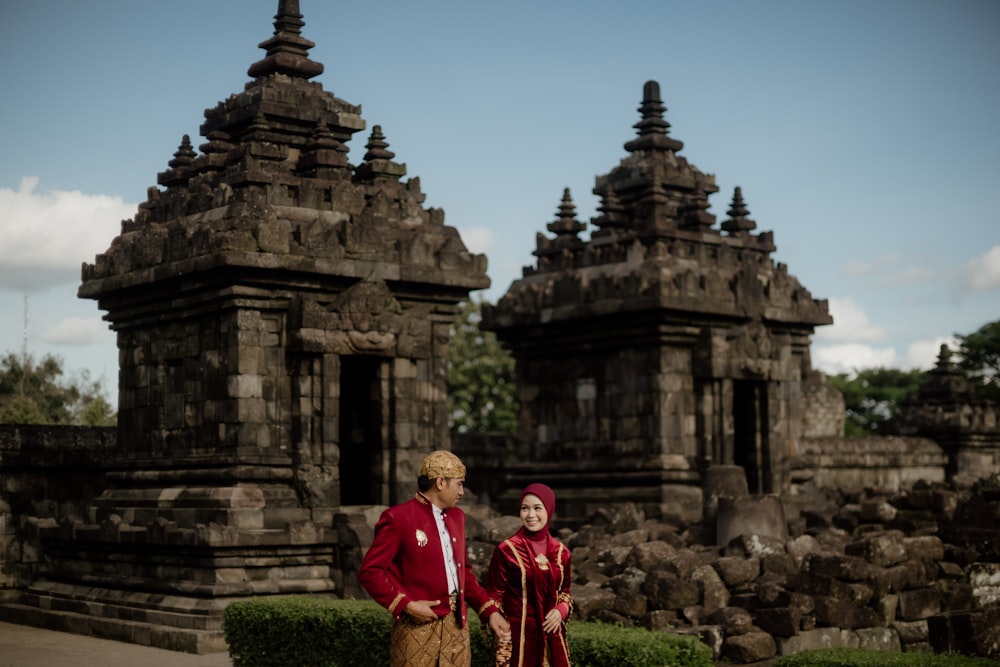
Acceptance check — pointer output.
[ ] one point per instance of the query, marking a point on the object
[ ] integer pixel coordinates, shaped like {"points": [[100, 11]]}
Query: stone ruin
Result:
{"points": [[283, 320]]}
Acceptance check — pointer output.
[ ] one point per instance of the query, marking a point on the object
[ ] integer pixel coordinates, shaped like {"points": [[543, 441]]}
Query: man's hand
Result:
{"points": [[421, 610], [500, 627]]}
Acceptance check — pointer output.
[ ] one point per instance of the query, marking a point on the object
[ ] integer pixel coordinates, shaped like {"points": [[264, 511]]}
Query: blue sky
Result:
{"points": [[863, 134]]}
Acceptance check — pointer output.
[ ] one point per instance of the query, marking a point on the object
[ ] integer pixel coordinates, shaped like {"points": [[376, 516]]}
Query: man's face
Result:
{"points": [[449, 491]]}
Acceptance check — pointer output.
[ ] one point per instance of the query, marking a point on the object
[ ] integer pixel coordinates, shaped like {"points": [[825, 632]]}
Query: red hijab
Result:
{"points": [[548, 498]]}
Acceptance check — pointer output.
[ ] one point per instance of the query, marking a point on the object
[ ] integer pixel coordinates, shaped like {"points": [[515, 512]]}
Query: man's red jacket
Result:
{"points": [[405, 562]]}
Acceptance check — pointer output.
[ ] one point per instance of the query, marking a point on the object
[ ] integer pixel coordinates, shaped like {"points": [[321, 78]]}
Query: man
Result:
{"points": [[417, 568]]}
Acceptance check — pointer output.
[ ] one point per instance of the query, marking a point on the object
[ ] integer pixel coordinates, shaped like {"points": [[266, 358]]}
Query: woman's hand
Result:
{"points": [[500, 627], [552, 621]]}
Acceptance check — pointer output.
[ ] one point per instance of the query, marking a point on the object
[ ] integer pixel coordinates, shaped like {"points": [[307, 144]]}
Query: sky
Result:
{"points": [[863, 134]]}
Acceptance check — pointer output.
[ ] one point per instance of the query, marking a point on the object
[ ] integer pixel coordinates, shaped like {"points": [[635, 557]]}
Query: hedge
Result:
{"points": [[325, 632], [855, 657]]}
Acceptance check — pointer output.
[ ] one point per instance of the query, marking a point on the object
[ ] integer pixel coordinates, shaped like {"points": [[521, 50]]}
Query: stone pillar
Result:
{"points": [[757, 515]]}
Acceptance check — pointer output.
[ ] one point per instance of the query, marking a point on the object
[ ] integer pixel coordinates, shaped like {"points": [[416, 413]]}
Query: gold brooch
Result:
{"points": [[421, 538], [543, 562]]}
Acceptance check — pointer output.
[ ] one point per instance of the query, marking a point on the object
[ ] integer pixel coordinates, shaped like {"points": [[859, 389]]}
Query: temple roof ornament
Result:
{"points": [[612, 214], [652, 127], [287, 51], [738, 222]]}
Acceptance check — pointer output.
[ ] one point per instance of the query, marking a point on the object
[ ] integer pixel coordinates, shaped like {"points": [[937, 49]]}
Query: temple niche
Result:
{"points": [[661, 345], [282, 320]]}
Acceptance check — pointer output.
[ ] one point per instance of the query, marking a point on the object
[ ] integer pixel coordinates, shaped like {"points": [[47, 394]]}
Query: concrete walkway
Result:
{"points": [[27, 646]]}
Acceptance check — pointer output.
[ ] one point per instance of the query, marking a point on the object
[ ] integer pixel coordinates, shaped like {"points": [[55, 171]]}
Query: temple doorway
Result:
{"points": [[751, 448], [360, 429]]}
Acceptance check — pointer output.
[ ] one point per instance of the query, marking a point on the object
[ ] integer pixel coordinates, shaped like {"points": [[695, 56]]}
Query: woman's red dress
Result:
{"points": [[528, 578]]}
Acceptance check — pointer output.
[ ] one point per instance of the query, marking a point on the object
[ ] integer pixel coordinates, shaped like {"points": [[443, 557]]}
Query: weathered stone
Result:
{"points": [[919, 603], [714, 595], [911, 632], [660, 619], [761, 516], [665, 591], [588, 600], [926, 547], [778, 564], [754, 544], [818, 639], [649, 556], [631, 579], [844, 568], [735, 571], [877, 510], [985, 581], [883, 549], [920, 573], [814, 584], [749, 647], [734, 621], [839, 613], [970, 632], [779, 621], [878, 639], [956, 595], [630, 603], [802, 546], [683, 564]]}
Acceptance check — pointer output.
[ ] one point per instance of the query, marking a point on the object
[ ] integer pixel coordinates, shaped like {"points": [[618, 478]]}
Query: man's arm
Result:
{"points": [[376, 574]]}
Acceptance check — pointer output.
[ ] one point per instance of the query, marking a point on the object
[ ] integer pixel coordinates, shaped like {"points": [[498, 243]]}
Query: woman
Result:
{"points": [[529, 576]]}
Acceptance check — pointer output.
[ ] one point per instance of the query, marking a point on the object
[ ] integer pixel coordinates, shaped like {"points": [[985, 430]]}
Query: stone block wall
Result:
{"points": [[822, 410], [48, 474], [883, 462]]}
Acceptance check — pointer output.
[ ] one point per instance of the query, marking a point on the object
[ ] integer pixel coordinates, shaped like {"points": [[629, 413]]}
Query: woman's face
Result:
{"points": [[533, 514]]}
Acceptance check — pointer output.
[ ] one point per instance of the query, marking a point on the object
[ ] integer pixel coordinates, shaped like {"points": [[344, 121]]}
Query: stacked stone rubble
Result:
{"points": [[874, 574]]}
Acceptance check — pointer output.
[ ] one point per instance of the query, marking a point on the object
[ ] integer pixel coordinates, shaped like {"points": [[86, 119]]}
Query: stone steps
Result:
{"points": [[189, 640]]}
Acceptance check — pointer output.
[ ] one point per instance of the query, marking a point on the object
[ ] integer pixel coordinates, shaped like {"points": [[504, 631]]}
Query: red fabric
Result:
{"points": [[403, 564], [526, 593]]}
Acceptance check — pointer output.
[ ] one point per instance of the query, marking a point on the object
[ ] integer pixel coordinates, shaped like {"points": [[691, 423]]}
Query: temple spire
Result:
{"points": [[287, 50], [652, 127], [738, 221], [566, 227]]}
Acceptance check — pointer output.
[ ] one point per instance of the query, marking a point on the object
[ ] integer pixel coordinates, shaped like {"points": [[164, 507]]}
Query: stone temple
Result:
{"points": [[282, 320], [660, 345]]}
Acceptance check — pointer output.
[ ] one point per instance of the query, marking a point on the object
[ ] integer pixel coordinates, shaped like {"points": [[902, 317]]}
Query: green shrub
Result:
{"points": [[302, 630], [853, 657], [603, 645], [325, 632]]}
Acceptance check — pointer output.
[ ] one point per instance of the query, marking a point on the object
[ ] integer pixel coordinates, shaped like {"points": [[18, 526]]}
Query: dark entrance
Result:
{"points": [[360, 430], [750, 446]]}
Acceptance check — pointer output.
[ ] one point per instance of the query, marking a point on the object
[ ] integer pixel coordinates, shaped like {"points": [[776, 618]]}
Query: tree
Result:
{"points": [[481, 387], [872, 396], [979, 358], [33, 393]]}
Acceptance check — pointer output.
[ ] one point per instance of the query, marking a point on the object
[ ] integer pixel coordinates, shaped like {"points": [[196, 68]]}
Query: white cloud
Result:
{"points": [[850, 357], [879, 265], [478, 239], [982, 274], [914, 275], [923, 354], [46, 236], [77, 331], [850, 324]]}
